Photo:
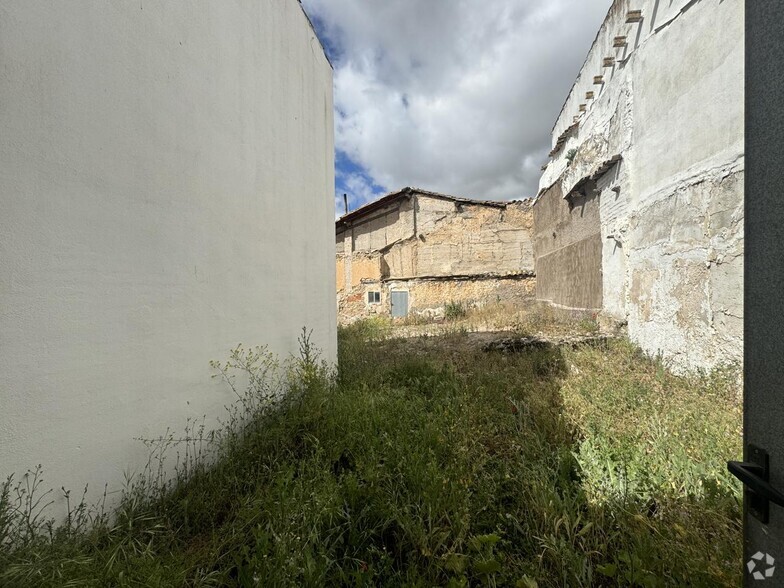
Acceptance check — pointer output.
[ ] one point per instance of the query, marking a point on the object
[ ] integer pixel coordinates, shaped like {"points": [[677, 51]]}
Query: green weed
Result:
{"points": [[454, 310]]}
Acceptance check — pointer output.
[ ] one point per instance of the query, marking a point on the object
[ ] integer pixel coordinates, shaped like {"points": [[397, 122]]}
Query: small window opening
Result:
{"points": [[374, 297]]}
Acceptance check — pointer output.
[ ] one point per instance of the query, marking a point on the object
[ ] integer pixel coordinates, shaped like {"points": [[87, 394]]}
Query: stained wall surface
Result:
{"points": [[662, 139], [167, 191], [428, 297], [568, 250], [379, 228], [456, 238]]}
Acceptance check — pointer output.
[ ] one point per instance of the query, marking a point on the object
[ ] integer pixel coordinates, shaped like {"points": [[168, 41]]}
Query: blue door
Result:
{"points": [[399, 303]]}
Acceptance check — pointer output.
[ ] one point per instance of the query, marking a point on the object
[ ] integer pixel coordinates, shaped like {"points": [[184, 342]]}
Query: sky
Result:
{"points": [[453, 96]]}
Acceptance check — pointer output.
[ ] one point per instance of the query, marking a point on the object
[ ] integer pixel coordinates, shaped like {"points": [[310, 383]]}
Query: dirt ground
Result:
{"points": [[498, 328]]}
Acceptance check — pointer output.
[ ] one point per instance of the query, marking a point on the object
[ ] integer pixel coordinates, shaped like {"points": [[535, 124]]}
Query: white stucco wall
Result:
{"points": [[166, 179], [671, 107], [613, 217]]}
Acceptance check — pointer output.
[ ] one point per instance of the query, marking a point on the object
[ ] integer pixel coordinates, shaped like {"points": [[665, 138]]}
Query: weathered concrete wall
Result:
{"points": [[354, 305], [568, 250], [466, 239], [365, 266], [427, 298], [364, 237], [383, 227], [340, 273], [613, 214], [663, 140], [693, 242], [167, 189]]}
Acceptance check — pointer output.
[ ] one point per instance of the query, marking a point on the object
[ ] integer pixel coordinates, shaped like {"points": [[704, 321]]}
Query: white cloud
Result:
{"points": [[457, 96]]}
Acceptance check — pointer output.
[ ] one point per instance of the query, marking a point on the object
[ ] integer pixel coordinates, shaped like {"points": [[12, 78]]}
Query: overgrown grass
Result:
{"points": [[533, 318], [587, 467], [454, 310]]}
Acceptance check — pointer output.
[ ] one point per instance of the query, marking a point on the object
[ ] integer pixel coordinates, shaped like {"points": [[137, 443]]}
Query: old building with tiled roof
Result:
{"points": [[413, 252]]}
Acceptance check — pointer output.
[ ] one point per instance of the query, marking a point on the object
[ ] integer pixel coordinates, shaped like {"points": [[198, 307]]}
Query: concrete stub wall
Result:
{"points": [[166, 178]]}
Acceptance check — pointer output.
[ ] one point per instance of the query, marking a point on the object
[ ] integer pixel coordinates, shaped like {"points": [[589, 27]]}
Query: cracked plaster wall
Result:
{"points": [[671, 209], [379, 229], [465, 239]]}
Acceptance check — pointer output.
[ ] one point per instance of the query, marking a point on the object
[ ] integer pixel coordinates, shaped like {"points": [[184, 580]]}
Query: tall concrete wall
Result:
{"points": [[167, 186], [662, 142]]}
